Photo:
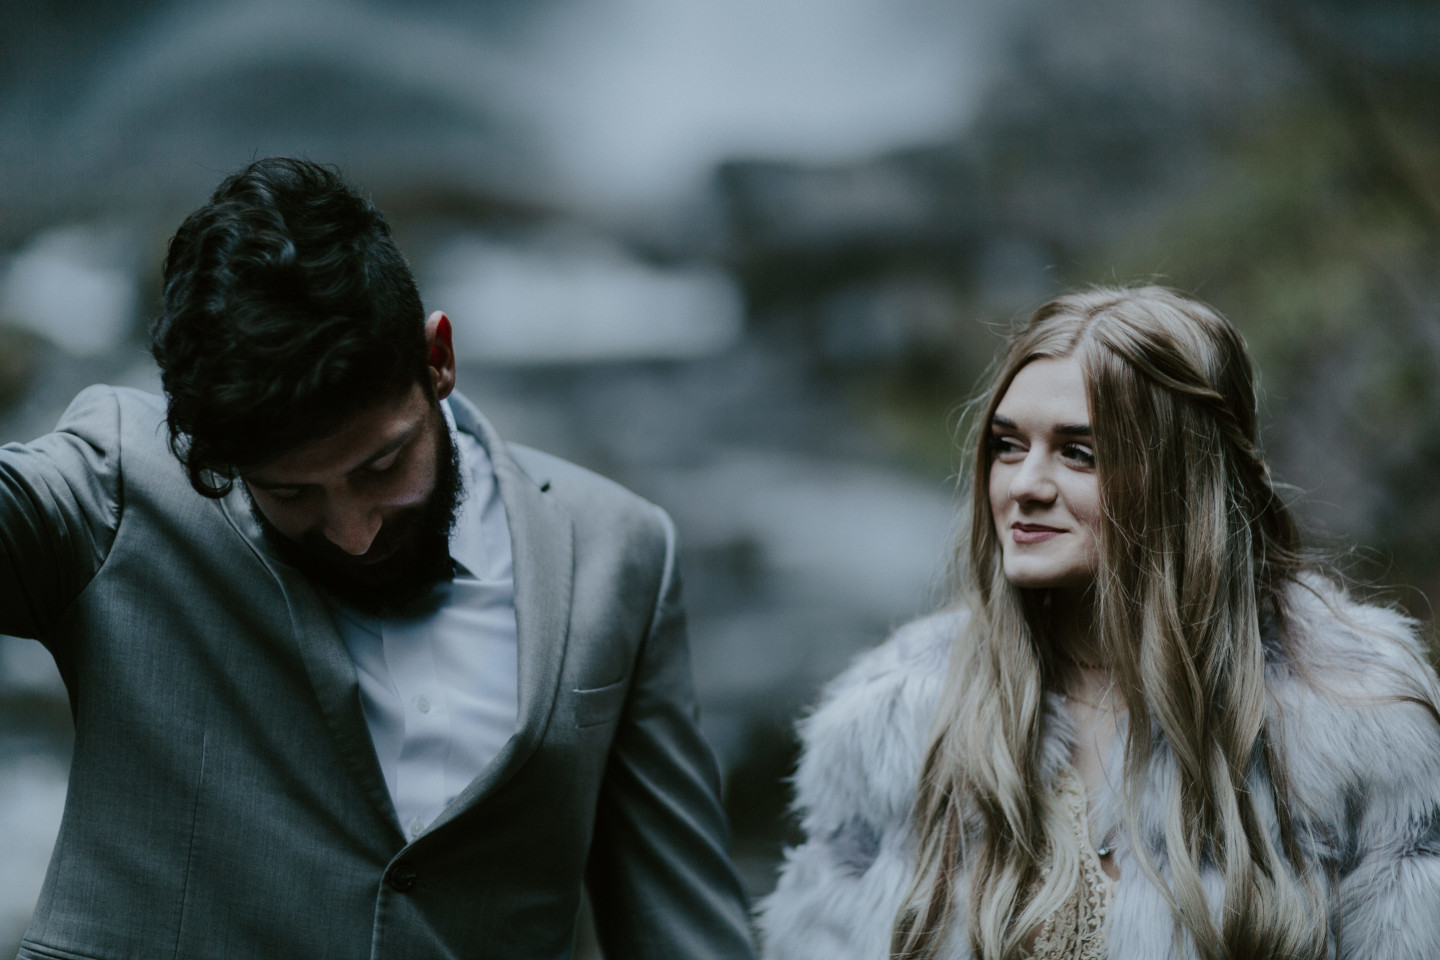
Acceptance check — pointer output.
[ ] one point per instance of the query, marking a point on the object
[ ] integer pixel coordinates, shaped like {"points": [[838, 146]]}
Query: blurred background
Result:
{"points": [[748, 257]]}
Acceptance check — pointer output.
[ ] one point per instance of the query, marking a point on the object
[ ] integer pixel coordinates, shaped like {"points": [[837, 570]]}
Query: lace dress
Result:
{"points": [[1077, 930]]}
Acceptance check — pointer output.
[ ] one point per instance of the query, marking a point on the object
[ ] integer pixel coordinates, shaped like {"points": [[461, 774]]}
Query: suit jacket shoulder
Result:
{"points": [[597, 505], [582, 488], [63, 498]]}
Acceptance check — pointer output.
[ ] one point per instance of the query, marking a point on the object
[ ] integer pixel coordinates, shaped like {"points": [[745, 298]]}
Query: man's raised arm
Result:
{"points": [[59, 510]]}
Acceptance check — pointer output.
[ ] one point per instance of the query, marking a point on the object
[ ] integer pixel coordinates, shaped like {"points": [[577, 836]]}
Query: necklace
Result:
{"points": [[1086, 664], [1070, 697], [1105, 697]]}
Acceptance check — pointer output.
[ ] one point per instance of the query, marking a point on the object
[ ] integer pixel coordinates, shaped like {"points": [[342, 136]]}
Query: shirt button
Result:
{"points": [[417, 827], [422, 705]]}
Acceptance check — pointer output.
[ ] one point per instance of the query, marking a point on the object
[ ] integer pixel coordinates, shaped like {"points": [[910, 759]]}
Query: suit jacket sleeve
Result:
{"points": [[59, 510], [659, 874]]}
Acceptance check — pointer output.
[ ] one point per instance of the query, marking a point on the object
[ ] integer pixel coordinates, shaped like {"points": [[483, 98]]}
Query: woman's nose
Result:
{"points": [[1033, 482]]}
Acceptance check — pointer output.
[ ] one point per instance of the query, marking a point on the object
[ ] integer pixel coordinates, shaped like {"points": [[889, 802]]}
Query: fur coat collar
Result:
{"points": [[1362, 759]]}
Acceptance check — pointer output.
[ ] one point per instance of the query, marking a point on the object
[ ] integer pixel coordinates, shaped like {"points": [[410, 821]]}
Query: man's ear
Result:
{"points": [[442, 354]]}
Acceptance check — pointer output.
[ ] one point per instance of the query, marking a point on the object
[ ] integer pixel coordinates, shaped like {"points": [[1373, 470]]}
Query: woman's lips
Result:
{"points": [[1032, 532]]}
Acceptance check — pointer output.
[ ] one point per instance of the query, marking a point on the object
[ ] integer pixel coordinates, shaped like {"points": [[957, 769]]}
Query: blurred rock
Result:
{"points": [[32, 797], [167, 102], [27, 668], [35, 738], [75, 285], [914, 196], [885, 321], [559, 297]]}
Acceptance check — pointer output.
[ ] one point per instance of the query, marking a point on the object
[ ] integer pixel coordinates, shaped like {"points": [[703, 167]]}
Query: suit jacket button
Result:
{"points": [[402, 876]]}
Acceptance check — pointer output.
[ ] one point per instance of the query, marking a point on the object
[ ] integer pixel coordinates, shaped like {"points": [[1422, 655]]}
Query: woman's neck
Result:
{"points": [[1084, 671], [1074, 637]]}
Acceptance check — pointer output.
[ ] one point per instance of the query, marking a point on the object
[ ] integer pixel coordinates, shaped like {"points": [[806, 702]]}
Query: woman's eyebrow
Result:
{"points": [[1064, 429]]}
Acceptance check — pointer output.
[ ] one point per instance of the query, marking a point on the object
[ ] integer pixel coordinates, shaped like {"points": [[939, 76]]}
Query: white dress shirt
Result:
{"points": [[440, 691]]}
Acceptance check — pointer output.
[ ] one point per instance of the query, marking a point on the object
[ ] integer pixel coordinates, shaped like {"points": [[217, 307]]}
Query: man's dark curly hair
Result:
{"points": [[286, 309]]}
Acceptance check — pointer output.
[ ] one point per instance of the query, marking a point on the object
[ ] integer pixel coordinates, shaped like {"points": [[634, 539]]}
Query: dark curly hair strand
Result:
{"points": [[287, 308]]}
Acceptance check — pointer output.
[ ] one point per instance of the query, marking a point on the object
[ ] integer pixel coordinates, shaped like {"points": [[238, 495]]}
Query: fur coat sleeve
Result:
{"points": [[862, 748], [1362, 751]]}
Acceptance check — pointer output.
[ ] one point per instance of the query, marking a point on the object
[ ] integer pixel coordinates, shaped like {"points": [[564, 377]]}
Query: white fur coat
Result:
{"points": [[1367, 767]]}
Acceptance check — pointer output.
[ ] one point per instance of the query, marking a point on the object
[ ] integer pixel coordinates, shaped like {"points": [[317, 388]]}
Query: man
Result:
{"points": [[350, 677]]}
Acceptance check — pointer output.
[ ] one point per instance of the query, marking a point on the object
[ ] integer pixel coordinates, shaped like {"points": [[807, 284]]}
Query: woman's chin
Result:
{"points": [[1030, 576]]}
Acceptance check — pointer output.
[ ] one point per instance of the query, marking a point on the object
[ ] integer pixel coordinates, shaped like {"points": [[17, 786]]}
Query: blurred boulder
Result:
{"points": [[554, 295], [76, 285]]}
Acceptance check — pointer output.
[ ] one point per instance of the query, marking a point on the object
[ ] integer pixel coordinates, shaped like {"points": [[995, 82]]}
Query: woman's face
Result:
{"points": [[1043, 492]]}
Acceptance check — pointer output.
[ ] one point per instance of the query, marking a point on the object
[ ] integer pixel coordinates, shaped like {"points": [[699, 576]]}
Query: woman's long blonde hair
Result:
{"points": [[1196, 548]]}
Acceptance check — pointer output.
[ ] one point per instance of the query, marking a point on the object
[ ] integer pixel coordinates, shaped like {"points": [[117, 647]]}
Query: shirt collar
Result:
{"points": [[466, 540]]}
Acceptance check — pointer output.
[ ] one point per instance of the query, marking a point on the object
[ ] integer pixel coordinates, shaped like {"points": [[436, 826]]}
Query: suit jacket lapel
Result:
{"points": [[542, 545], [328, 664]]}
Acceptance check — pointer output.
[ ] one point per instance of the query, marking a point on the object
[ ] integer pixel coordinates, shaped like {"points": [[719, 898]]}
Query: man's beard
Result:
{"points": [[403, 584]]}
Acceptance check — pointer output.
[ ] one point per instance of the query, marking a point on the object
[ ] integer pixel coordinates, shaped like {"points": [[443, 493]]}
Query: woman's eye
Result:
{"points": [[1079, 454], [1004, 446]]}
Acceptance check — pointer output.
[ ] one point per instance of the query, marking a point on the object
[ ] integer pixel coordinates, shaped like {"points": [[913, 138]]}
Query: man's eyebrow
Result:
{"points": [[386, 450], [390, 447], [269, 484]]}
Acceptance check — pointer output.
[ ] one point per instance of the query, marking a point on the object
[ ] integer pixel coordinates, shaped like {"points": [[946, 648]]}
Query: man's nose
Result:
{"points": [[351, 525]]}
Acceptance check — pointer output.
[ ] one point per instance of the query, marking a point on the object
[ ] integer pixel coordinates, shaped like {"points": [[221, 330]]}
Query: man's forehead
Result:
{"points": [[367, 435]]}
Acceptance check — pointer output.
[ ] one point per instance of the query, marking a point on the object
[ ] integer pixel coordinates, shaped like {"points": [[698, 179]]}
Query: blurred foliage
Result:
{"points": [[1286, 237], [1317, 232], [1281, 161]]}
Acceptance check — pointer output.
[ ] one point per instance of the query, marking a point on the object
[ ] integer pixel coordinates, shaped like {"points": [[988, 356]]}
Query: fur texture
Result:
{"points": [[1364, 765]]}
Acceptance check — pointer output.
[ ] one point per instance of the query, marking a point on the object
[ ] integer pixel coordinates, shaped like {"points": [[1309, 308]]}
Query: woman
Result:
{"points": [[1148, 729]]}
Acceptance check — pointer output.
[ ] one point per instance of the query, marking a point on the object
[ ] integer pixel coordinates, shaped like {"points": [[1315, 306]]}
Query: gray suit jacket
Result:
{"points": [[225, 800]]}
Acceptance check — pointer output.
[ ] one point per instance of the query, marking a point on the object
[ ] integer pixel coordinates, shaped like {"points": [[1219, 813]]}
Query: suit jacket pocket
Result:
{"points": [[599, 705], [30, 950]]}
